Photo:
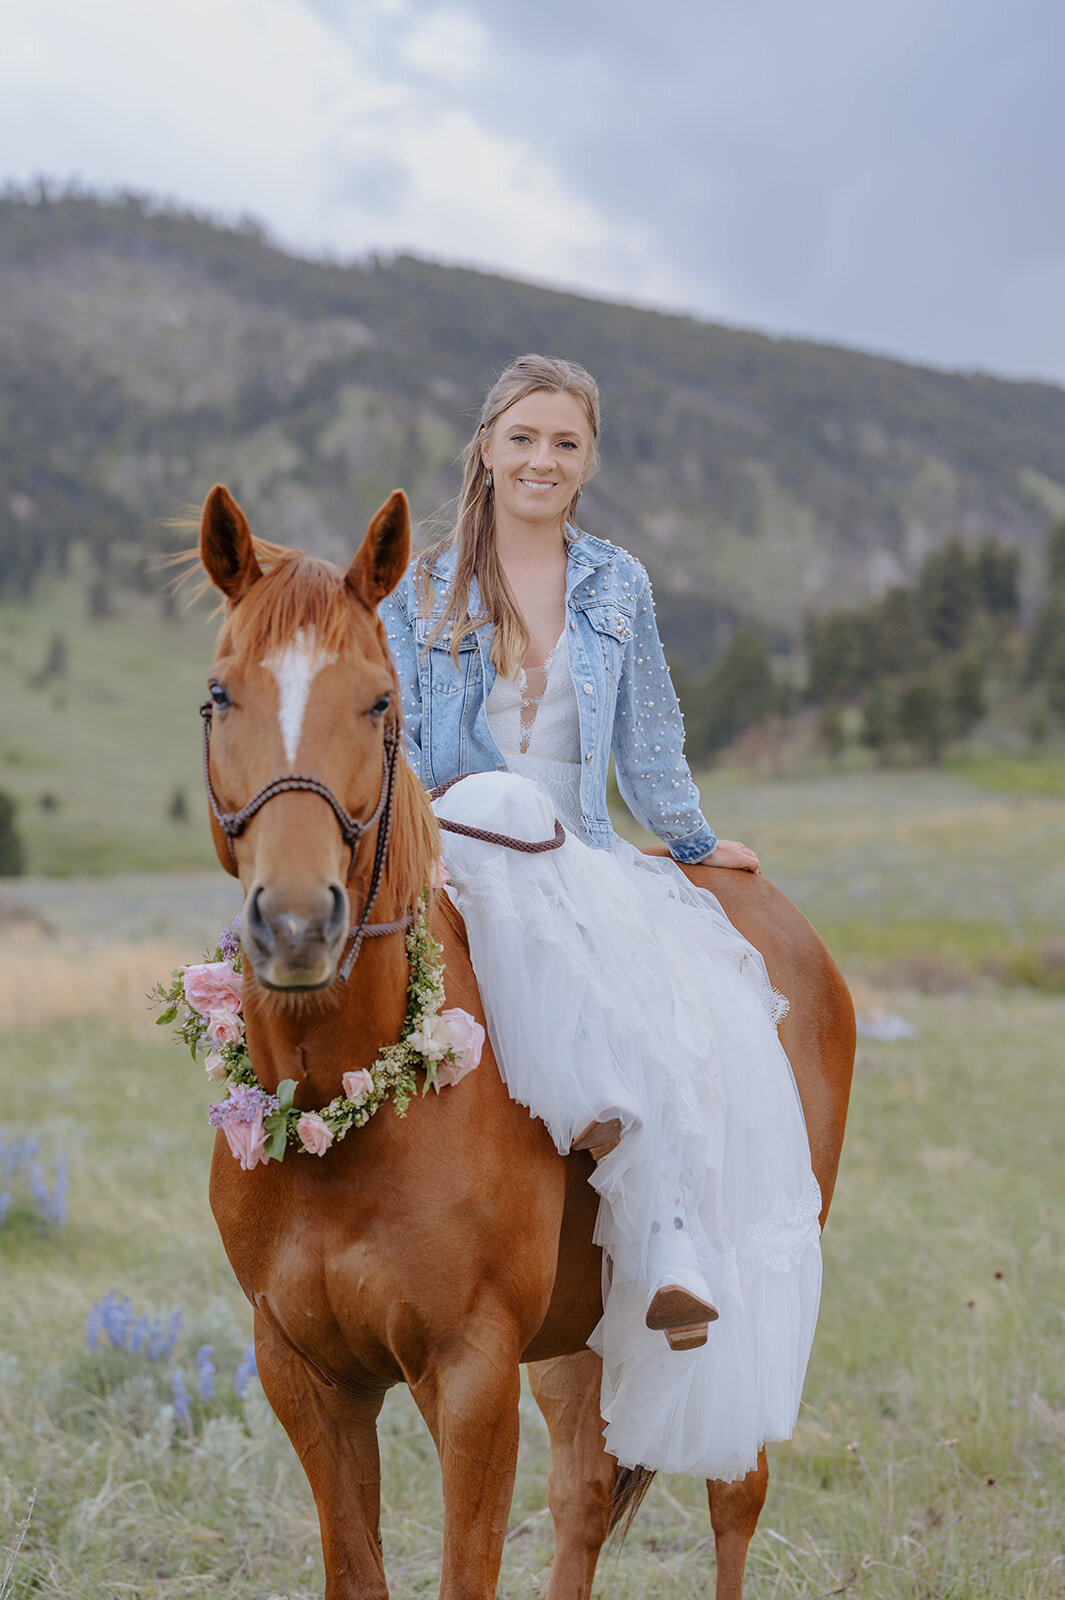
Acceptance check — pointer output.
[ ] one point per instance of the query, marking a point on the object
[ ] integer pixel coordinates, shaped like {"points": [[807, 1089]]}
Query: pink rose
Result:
{"points": [[224, 1027], [438, 874], [214, 1066], [247, 1140], [467, 1042], [357, 1085], [212, 986], [314, 1133]]}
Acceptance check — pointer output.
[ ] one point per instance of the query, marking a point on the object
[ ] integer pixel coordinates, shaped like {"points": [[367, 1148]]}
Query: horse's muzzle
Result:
{"points": [[294, 947]]}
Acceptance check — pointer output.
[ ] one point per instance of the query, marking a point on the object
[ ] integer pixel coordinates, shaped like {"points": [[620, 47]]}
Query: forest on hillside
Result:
{"points": [[148, 352]]}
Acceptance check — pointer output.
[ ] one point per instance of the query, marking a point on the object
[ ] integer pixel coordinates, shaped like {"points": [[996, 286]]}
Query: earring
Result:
{"points": [[488, 479], [580, 491]]}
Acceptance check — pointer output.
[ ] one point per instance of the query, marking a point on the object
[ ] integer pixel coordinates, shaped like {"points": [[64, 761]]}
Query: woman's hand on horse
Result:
{"points": [[730, 853]]}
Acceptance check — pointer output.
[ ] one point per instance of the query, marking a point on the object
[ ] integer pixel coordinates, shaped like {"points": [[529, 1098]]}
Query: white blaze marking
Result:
{"points": [[295, 669]]}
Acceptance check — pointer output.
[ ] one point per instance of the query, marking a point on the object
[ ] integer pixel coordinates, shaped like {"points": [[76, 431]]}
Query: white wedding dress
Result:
{"points": [[612, 986]]}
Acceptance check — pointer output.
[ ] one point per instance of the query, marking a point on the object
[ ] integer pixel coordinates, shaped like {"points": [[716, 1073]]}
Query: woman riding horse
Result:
{"points": [[440, 1249]]}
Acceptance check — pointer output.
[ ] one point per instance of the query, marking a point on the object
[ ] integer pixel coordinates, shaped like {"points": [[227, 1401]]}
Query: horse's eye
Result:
{"points": [[379, 707], [220, 695]]}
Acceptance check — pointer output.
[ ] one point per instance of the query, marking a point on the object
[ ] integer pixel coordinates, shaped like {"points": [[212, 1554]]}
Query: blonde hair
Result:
{"points": [[474, 531]]}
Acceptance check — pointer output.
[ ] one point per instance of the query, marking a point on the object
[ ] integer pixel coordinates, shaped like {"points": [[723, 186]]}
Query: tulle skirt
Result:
{"points": [[613, 987]]}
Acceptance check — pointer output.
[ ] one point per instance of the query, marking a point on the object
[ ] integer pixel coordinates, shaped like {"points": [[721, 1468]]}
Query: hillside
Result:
{"points": [[147, 353]]}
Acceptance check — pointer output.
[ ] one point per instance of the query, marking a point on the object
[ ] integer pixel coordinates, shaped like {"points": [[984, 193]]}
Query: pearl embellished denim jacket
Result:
{"points": [[625, 697]]}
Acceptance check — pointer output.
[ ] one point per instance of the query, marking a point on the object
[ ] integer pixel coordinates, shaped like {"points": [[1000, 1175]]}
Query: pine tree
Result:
{"points": [[12, 854]]}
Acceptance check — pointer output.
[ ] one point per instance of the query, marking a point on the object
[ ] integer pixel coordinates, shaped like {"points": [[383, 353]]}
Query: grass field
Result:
{"points": [[930, 1455]]}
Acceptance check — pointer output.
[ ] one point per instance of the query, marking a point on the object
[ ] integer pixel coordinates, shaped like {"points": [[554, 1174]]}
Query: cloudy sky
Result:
{"points": [[884, 176]]}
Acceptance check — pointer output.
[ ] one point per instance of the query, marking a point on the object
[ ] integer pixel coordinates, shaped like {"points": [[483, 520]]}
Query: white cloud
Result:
{"points": [[347, 137]]}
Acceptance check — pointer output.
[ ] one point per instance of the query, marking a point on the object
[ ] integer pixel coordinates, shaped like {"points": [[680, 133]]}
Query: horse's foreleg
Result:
{"points": [[734, 1512], [580, 1481], [334, 1433], [469, 1395]]}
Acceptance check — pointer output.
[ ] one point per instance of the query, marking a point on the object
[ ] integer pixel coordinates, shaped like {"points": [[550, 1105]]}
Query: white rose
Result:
{"points": [[214, 1066], [433, 1039]]}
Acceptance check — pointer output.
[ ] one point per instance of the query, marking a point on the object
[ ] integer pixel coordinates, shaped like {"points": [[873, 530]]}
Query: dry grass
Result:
{"points": [[45, 980]]}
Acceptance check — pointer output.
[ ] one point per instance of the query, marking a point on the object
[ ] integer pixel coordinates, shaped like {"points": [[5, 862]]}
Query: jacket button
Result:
{"points": [[587, 688], [588, 757]]}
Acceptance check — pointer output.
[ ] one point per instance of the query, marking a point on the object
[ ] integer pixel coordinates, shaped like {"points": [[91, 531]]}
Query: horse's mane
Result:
{"points": [[300, 591], [296, 591]]}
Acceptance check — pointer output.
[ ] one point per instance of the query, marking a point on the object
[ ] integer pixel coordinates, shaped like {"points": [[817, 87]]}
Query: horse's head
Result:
{"points": [[302, 683]]}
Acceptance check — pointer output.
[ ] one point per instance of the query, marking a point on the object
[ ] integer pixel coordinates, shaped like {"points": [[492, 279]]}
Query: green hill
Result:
{"points": [[148, 352]]}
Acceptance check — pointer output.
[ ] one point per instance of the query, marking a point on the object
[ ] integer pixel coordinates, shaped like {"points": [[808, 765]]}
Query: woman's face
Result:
{"points": [[538, 450]]}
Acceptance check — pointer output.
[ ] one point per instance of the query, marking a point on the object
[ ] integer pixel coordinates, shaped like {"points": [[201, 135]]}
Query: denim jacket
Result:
{"points": [[625, 697]]}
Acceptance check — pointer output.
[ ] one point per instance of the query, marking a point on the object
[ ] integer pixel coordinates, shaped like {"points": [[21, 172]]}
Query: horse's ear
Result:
{"points": [[226, 547], [384, 553]]}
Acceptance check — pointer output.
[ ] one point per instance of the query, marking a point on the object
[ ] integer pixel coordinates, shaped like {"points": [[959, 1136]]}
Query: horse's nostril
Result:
{"points": [[257, 923], [338, 915]]}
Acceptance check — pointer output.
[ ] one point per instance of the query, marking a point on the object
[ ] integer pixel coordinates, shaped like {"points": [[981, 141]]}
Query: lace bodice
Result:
{"points": [[539, 736]]}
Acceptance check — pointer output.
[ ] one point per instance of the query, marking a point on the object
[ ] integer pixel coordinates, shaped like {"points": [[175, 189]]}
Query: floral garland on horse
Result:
{"points": [[205, 1002]]}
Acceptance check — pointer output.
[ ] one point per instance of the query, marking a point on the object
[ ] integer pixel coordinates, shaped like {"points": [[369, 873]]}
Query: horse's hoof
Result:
{"points": [[599, 1138], [680, 1315]]}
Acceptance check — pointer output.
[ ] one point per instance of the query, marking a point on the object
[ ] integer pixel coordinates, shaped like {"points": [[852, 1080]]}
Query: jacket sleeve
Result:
{"points": [[648, 744], [397, 613]]}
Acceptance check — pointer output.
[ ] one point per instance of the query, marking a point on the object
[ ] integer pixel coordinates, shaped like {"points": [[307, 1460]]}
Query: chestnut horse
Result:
{"points": [[443, 1249]]}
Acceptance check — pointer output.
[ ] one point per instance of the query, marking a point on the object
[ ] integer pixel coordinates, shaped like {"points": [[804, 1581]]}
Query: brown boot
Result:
{"points": [[683, 1317], [599, 1138]]}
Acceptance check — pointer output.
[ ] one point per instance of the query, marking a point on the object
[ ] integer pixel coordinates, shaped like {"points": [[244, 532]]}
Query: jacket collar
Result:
{"points": [[585, 554]]}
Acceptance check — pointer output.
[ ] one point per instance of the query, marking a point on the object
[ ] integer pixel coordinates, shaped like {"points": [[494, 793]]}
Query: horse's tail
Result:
{"points": [[630, 1486]]}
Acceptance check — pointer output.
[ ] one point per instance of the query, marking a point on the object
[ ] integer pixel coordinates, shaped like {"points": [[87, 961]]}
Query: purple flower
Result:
{"points": [[245, 1373], [5, 1207], [182, 1407], [57, 1206], [244, 1103], [229, 943], [206, 1369], [173, 1328], [141, 1335], [115, 1318]]}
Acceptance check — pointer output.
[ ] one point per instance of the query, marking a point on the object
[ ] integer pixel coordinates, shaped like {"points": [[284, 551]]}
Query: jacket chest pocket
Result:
{"points": [[613, 626], [436, 666]]}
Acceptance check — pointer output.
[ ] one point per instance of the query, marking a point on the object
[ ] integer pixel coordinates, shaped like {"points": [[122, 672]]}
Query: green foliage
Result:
{"points": [[12, 853], [738, 694], [948, 595], [1054, 673], [923, 715], [1055, 557]]}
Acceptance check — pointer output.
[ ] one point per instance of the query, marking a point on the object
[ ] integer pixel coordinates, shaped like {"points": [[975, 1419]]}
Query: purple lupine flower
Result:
{"points": [[116, 1316], [39, 1189], [93, 1324], [206, 1369], [182, 1406], [57, 1207], [140, 1334], [229, 943], [5, 1207], [173, 1328], [245, 1373]]}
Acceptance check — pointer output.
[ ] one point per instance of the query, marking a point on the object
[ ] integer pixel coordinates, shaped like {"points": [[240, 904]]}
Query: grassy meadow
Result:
{"points": [[930, 1455]]}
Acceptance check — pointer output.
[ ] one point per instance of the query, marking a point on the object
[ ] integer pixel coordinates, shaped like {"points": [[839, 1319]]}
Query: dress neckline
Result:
{"points": [[531, 702]]}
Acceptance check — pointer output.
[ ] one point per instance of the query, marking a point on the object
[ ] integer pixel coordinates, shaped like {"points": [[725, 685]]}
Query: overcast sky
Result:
{"points": [[884, 176]]}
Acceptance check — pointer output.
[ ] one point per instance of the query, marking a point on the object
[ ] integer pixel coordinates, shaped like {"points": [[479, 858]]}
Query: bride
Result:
{"points": [[624, 1008]]}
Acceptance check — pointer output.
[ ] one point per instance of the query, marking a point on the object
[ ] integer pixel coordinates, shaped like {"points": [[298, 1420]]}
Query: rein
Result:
{"points": [[353, 829], [527, 847]]}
